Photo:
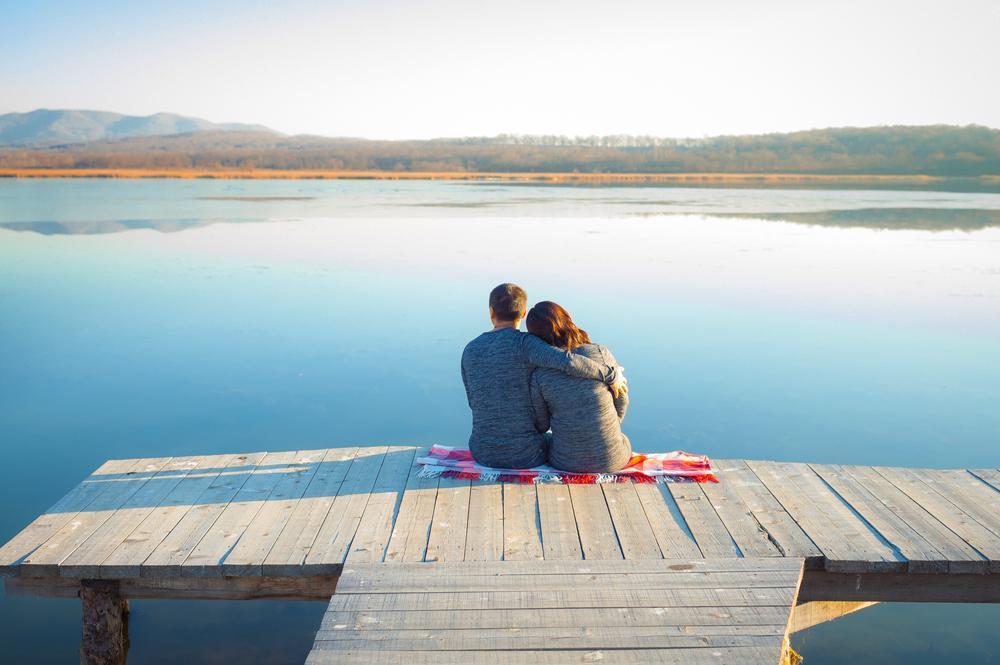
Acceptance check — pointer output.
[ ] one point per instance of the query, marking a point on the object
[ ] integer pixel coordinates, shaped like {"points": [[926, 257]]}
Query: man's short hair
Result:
{"points": [[509, 302]]}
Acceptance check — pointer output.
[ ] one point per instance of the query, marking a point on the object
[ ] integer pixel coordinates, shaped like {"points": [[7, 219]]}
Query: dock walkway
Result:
{"points": [[285, 524]]}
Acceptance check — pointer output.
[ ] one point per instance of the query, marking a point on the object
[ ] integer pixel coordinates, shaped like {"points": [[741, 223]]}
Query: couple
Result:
{"points": [[519, 385]]}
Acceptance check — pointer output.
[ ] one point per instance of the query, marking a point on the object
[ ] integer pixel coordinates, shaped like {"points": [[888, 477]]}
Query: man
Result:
{"points": [[496, 370]]}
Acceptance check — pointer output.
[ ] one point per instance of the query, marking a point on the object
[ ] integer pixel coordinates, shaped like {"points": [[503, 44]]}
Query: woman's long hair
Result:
{"points": [[553, 324]]}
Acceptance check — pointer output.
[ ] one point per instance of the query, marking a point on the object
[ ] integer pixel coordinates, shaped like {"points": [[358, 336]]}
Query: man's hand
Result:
{"points": [[619, 388]]}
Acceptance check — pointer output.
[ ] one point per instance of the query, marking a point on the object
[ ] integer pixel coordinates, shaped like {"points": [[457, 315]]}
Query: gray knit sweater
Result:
{"points": [[584, 417], [496, 370]]}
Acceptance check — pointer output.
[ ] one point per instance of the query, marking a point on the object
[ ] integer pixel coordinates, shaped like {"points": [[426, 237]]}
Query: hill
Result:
{"points": [[937, 150], [47, 126]]}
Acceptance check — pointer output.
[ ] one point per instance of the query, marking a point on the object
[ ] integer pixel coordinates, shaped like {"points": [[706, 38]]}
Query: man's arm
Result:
{"points": [[465, 382], [541, 354], [539, 408], [621, 401]]}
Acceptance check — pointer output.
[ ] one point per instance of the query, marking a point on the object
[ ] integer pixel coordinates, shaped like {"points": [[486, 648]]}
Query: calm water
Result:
{"points": [[147, 318]]}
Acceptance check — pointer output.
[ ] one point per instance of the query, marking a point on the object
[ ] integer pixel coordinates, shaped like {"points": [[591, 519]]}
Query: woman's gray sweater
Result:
{"points": [[584, 417]]}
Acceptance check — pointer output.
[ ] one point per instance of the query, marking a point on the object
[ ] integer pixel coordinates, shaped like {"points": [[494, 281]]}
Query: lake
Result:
{"points": [[173, 317]]}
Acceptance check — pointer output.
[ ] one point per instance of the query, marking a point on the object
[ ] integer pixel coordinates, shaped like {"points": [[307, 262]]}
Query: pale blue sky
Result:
{"points": [[390, 69]]}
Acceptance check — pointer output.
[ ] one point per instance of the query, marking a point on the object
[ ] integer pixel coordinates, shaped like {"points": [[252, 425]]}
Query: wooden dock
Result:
{"points": [[288, 524]]}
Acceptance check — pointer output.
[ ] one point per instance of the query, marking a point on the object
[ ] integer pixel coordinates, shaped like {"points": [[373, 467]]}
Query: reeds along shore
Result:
{"points": [[581, 178]]}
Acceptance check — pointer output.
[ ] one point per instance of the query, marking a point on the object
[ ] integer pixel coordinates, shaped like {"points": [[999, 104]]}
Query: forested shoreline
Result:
{"points": [[938, 150]]}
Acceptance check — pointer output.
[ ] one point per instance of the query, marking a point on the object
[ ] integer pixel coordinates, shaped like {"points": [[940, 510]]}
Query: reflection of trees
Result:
{"points": [[914, 219], [934, 150]]}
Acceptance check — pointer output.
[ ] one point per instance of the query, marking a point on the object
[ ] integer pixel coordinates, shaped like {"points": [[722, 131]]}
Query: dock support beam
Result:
{"points": [[105, 623]]}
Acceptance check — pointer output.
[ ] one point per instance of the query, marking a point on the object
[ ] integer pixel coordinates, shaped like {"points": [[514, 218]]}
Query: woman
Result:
{"points": [[585, 418]]}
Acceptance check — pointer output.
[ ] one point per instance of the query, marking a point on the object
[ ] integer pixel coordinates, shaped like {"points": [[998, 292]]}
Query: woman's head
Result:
{"points": [[553, 324]]}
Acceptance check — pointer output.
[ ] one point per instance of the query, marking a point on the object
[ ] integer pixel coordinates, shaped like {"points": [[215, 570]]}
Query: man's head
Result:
{"points": [[508, 303]]}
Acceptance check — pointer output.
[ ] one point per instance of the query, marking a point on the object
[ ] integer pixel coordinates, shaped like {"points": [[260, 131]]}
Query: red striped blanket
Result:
{"points": [[642, 468]]}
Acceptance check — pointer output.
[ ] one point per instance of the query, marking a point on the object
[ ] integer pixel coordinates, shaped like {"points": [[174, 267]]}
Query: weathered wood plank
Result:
{"points": [[288, 553], [635, 535], [411, 530], [947, 512], [375, 529], [989, 476], [693, 656], [848, 542], [167, 556], [977, 499], [442, 583], [449, 527], [46, 558], [329, 548], [560, 539], [598, 637], [484, 540], [962, 557], [666, 619], [521, 533], [85, 561], [314, 587], [706, 526], [668, 524], [921, 555], [61, 513], [783, 530], [207, 557], [901, 587], [127, 558], [247, 555], [579, 598], [594, 525]]}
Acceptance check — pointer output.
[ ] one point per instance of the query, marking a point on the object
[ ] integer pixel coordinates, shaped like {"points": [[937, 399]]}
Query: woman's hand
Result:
{"points": [[620, 387]]}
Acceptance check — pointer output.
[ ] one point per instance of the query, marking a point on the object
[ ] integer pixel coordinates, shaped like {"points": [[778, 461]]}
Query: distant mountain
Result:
{"points": [[55, 126]]}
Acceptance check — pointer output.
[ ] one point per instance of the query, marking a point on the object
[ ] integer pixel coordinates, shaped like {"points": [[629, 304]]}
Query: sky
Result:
{"points": [[444, 68]]}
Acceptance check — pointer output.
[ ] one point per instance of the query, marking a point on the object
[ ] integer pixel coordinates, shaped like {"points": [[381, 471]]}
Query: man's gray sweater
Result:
{"points": [[496, 370]]}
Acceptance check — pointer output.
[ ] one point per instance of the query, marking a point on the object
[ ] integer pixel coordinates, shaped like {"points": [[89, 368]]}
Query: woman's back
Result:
{"points": [[585, 419]]}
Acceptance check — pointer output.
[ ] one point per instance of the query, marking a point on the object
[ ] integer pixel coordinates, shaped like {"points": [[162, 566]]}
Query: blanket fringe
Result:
{"points": [[434, 471]]}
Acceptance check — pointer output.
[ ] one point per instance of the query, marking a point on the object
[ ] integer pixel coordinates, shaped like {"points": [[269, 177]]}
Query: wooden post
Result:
{"points": [[105, 623]]}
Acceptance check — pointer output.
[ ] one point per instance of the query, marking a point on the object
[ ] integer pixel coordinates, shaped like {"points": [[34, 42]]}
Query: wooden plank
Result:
{"points": [[749, 535], [962, 557], [327, 553], [247, 555], [560, 539], [484, 539], [573, 639], [207, 557], [442, 583], [127, 558], [594, 525], [707, 528], [635, 535], [166, 558], [901, 587], [668, 524], [372, 538], [449, 526], [408, 541], [945, 510], [693, 656], [666, 619], [921, 555], [847, 541], [579, 598], [289, 551], [813, 613], [589, 566], [989, 476], [769, 513], [521, 532], [86, 560], [46, 558], [61, 513], [977, 499], [316, 587]]}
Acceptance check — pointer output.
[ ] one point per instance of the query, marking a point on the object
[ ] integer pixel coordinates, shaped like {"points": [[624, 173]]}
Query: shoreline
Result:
{"points": [[479, 176]]}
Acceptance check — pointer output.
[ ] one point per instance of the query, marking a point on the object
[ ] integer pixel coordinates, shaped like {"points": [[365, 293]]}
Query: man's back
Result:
{"points": [[496, 370]]}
